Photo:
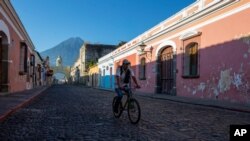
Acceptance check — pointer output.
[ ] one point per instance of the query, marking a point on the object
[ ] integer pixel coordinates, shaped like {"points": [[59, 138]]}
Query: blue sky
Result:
{"points": [[49, 22]]}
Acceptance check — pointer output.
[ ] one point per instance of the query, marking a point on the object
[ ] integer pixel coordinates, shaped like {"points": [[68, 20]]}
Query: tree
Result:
{"points": [[121, 43], [91, 63]]}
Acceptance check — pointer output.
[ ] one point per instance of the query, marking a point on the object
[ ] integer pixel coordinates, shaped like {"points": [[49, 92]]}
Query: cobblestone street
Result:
{"points": [[66, 112]]}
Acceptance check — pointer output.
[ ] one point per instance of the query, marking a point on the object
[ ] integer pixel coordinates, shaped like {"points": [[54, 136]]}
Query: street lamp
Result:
{"points": [[143, 46]]}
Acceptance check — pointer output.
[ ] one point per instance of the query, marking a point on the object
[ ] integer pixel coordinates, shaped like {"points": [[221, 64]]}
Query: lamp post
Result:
{"points": [[143, 46]]}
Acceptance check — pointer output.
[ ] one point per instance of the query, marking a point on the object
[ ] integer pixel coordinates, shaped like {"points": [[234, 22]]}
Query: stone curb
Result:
{"points": [[24, 103], [201, 104], [245, 110]]}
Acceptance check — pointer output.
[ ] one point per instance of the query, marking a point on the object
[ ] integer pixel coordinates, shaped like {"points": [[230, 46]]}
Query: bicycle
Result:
{"points": [[131, 104]]}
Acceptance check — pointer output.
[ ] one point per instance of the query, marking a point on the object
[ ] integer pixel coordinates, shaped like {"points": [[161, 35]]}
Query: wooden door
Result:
{"points": [[167, 75]]}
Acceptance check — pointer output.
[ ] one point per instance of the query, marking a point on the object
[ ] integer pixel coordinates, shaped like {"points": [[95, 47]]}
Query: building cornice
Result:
{"points": [[210, 9], [16, 20]]}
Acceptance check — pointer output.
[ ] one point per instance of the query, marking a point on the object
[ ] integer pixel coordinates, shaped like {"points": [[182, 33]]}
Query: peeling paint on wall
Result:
{"points": [[202, 87], [244, 89], [212, 88], [216, 92], [237, 80], [219, 85], [245, 55], [225, 81]]}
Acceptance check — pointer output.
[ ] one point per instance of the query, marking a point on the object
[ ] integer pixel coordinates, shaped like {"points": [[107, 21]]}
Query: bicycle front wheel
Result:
{"points": [[134, 111]]}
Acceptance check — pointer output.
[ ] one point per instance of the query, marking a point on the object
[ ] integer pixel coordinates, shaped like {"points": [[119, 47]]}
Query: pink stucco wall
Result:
{"points": [[224, 62], [16, 82]]}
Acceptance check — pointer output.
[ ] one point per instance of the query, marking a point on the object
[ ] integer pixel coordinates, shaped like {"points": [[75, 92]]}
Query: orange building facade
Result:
{"points": [[17, 52], [203, 51]]}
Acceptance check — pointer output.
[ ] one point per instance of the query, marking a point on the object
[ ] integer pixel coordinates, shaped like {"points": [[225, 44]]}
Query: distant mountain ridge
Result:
{"points": [[68, 50]]}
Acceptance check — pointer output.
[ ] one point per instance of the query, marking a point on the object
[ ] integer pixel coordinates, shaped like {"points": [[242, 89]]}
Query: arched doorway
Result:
{"points": [[166, 70], [4, 63]]}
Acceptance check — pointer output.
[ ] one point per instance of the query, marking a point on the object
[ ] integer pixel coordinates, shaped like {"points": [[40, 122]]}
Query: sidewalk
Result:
{"points": [[194, 101], [14, 101]]}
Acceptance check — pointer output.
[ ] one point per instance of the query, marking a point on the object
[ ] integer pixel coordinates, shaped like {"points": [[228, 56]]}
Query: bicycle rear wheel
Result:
{"points": [[134, 111], [120, 109]]}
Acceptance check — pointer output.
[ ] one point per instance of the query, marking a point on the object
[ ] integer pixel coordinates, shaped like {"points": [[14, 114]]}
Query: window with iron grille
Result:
{"points": [[23, 59], [32, 60], [190, 62], [142, 69]]}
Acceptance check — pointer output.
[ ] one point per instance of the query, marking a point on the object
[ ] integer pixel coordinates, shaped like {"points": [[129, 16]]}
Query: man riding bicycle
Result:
{"points": [[122, 80]]}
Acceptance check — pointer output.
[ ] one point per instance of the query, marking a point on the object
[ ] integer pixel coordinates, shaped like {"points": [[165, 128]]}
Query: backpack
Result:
{"points": [[127, 75]]}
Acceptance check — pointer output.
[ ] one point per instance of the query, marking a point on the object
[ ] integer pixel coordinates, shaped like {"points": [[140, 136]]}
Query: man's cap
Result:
{"points": [[125, 61]]}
